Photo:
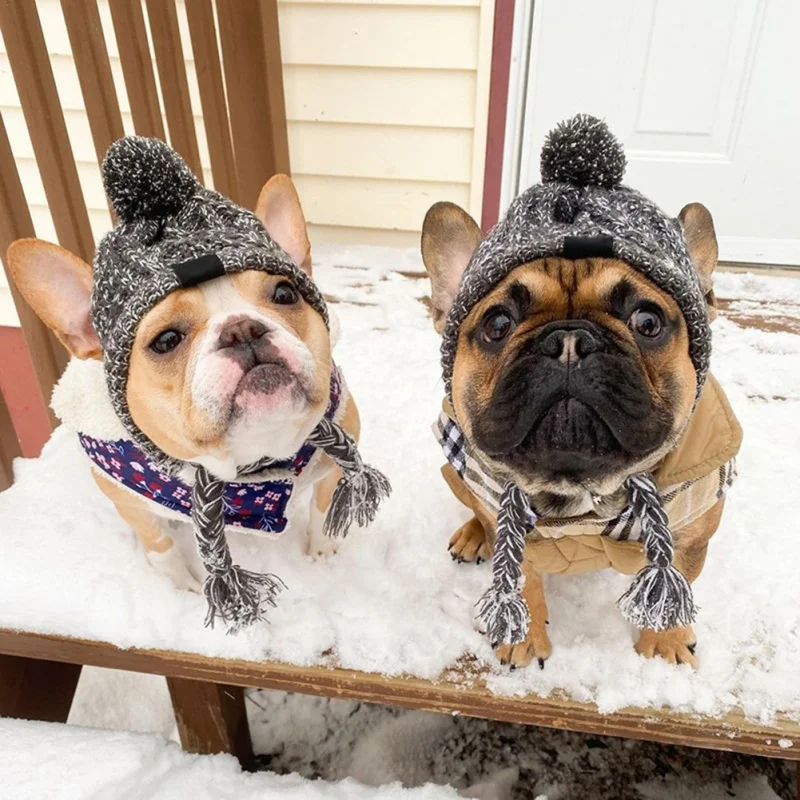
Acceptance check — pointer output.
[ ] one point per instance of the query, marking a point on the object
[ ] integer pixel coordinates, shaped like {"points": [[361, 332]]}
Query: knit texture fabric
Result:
{"points": [[166, 218], [581, 195]]}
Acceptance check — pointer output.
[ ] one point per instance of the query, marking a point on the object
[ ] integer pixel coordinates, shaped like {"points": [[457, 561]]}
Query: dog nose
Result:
{"points": [[242, 331], [569, 345]]}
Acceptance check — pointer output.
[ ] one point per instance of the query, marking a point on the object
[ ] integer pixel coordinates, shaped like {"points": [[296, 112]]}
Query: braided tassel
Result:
{"points": [[503, 609], [360, 490], [660, 597], [236, 595]]}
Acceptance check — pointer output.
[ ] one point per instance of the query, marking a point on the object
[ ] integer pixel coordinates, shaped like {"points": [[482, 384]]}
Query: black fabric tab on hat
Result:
{"points": [[198, 270], [588, 247]]}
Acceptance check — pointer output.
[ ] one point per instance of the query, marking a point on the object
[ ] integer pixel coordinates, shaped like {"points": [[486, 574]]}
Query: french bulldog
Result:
{"points": [[223, 373], [571, 375]]}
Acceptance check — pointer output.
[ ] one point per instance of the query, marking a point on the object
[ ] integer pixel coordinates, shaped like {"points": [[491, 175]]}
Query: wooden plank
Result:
{"points": [[203, 32], [48, 355], [30, 65], [88, 46], [211, 718], [172, 76], [137, 67], [259, 137], [732, 732], [9, 446], [37, 689]]}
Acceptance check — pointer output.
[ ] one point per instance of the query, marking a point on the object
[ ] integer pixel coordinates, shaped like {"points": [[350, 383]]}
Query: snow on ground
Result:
{"points": [[391, 600], [60, 762]]}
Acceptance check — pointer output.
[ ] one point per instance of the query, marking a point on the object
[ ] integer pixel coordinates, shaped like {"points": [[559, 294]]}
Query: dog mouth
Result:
{"points": [[265, 378], [545, 422], [267, 382]]}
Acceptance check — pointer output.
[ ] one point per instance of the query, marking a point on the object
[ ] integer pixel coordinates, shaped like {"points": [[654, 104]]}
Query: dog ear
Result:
{"points": [[449, 238], [279, 208], [58, 287], [701, 239]]}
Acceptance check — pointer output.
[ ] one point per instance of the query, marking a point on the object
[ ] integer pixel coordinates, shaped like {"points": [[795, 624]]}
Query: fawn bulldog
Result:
{"points": [[581, 424], [207, 387]]}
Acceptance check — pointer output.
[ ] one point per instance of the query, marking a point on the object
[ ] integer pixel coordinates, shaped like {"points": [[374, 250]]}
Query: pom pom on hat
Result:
{"points": [[582, 151], [146, 178]]}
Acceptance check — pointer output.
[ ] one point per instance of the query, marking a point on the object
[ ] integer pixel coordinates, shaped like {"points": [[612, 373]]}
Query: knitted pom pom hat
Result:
{"points": [[582, 210], [173, 233]]}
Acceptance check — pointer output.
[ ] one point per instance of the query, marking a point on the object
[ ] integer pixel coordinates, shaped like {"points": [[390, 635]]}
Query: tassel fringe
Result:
{"points": [[503, 609], [356, 499], [240, 597], [659, 598], [505, 616], [358, 494]]}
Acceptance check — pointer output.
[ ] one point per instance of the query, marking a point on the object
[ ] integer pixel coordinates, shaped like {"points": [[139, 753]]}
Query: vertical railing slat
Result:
{"points": [[47, 353], [44, 117], [252, 93], [200, 14], [137, 67], [172, 75], [85, 32], [273, 65]]}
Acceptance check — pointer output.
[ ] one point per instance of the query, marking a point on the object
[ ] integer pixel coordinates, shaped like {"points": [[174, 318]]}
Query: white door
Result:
{"points": [[704, 94]]}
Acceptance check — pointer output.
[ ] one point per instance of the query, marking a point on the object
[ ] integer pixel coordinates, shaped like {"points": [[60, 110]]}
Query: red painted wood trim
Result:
{"points": [[498, 104], [20, 389]]}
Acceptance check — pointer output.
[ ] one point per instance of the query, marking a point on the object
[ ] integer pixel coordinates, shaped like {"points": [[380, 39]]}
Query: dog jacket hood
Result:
{"points": [[582, 210], [173, 233]]}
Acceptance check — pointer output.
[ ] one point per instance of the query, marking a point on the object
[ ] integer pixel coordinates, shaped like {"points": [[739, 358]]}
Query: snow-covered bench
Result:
{"points": [[388, 619]]}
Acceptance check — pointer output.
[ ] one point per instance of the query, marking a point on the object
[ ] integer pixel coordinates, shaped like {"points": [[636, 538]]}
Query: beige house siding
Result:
{"points": [[386, 104]]}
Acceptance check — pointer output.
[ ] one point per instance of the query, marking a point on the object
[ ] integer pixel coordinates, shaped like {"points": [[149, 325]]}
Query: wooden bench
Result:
{"points": [[247, 143], [38, 675]]}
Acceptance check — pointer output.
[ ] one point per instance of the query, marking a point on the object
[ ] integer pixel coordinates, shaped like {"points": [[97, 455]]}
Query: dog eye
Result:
{"points": [[497, 325], [285, 294], [646, 323], [166, 340]]}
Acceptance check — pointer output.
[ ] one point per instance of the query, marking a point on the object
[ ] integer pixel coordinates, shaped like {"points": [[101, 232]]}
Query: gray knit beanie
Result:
{"points": [[581, 210], [173, 233]]}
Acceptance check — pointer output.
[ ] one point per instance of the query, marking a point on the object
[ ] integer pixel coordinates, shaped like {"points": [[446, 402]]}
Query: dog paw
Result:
{"points": [[172, 564], [675, 645], [469, 543], [535, 646], [321, 547]]}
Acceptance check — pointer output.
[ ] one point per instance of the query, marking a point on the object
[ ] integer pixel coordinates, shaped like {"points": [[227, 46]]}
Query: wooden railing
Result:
{"points": [[243, 113]]}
